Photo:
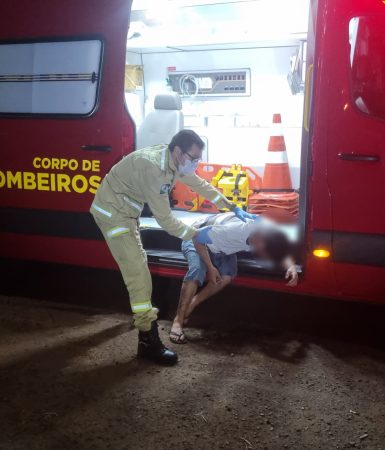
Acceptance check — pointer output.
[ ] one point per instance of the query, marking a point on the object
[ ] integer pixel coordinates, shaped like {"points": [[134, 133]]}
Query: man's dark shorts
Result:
{"points": [[197, 270]]}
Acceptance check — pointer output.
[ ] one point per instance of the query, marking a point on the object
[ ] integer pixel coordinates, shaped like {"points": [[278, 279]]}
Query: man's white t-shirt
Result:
{"points": [[230, 235]]}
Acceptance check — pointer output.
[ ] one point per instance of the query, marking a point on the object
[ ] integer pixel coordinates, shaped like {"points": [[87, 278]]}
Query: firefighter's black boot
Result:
{"points": [[151, 347]]}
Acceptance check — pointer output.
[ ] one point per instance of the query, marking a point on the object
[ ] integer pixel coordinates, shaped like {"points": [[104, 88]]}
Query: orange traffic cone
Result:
{"points": [[277, 173], [277, 199]]}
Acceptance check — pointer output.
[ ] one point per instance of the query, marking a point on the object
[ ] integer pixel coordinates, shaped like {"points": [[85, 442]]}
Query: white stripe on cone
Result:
{"points": [[276, 129], [276, 158]]}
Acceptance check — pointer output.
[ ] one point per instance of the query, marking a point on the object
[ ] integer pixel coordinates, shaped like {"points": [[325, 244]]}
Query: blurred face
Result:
{"points": [[257, 245]]}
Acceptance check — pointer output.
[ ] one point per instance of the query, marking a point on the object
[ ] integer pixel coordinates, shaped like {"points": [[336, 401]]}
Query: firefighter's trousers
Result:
{"points": [[126, 247]]}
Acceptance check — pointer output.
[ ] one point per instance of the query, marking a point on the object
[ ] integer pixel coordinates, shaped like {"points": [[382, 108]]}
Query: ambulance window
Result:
{"points": [[367, 63], [50, 77]]}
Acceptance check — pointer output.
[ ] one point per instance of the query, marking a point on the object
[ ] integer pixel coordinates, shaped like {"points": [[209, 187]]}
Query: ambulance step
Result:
{"points": [[245, 265]]}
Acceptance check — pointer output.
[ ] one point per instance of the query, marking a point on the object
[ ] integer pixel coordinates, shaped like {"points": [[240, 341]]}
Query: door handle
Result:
{"points": [[97, 148], [358, 157]]}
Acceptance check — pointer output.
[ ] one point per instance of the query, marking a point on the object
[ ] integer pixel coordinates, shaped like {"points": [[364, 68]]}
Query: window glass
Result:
{"points": [[367, 62], [50, 77]]}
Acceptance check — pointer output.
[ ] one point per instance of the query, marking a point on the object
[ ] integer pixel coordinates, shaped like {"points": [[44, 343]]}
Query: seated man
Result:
{"points": [[213, 253]]}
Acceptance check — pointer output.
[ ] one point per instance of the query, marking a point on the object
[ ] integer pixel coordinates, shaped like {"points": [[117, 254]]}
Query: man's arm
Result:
{"points": [[213, 273], [291, 271]]}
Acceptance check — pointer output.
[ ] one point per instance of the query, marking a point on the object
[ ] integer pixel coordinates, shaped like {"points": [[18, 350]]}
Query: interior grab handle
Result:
{"points": [[97, 148], [306, 113], [358, 157]]}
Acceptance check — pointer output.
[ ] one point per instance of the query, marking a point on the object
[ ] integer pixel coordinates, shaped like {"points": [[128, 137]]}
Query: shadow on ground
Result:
{"points": [[236, 309], [261, 370]]}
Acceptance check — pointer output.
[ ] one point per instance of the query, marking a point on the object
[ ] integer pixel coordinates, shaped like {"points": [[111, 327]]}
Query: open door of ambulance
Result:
{"points": [[355, 44], [63, 121]]}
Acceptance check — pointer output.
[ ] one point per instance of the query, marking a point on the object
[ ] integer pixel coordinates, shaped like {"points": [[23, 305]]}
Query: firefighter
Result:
{"points": [[147, 176]]}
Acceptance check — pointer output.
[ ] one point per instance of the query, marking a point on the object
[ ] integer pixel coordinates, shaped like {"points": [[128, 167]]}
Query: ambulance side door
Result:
{"points": [[355, 125]]}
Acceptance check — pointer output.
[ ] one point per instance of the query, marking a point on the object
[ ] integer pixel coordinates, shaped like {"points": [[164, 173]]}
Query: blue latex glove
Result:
{"points": [[243, 215], [202, 236]]}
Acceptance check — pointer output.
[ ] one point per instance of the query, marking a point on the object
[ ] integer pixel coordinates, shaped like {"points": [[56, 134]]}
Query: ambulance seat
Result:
{"points": [[160, 125]]}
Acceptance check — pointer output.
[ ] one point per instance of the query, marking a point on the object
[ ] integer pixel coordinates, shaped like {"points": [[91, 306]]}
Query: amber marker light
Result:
{"points": [[321, 253]]}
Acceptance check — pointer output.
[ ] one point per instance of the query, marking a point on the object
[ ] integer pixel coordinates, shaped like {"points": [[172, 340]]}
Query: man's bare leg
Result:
{"points": [[208, 291], [187, 292]]}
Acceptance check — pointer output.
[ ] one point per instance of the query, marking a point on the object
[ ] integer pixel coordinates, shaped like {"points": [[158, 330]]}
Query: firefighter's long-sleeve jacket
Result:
{"points": [[147, 176]]}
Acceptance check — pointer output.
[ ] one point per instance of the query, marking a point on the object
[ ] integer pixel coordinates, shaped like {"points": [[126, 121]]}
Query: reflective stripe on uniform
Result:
{"points": [[132, 203], [141, 307], [101, 210], [184, 233], [163, 160], [117, 231], [218, 197]]}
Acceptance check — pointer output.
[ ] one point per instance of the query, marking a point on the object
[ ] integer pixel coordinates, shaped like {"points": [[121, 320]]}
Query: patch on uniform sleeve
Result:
{"points": [[165, 189]]}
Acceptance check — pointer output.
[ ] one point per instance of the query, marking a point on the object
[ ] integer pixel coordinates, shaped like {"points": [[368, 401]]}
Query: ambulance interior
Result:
{"points": [[224, 69]]}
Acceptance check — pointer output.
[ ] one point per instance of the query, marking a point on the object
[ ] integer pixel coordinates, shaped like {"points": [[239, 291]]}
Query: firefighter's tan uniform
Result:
{"points": [[144, 176]]}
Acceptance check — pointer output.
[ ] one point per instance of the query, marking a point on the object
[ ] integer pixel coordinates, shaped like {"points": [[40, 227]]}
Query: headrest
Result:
{"points": [[169, 101]]}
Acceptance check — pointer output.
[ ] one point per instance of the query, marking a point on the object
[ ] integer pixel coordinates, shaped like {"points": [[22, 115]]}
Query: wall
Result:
{"points": [[135, 100], [237, 128]]}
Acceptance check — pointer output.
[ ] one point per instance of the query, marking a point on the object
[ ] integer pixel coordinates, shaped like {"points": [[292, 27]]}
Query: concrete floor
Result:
{"points": [[261, 371]]}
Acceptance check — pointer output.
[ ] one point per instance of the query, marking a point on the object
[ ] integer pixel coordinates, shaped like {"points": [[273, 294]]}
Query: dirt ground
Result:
{"points": [[69, 379]]}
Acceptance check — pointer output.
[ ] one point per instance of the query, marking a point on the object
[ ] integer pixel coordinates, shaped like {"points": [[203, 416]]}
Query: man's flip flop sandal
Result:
{"points": [[178, 338]]}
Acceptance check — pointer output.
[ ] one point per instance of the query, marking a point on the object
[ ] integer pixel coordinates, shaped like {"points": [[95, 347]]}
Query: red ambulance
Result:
{"points": [[64, 123]]}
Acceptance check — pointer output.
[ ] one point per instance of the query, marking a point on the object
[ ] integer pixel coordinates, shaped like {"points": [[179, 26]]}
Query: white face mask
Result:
{"points": [[188, 168]]}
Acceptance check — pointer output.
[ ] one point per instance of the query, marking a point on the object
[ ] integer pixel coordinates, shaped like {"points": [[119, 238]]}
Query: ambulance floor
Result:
{"points": [[279, 376]]}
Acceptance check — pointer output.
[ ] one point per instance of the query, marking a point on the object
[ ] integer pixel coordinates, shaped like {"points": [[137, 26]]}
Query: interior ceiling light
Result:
{"points": [[171, 23], [140, 5], [136, 30], [160, 11]]}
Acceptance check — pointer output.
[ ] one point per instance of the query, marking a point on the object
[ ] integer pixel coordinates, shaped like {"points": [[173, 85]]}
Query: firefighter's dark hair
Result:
{"points": [[185, 139]]}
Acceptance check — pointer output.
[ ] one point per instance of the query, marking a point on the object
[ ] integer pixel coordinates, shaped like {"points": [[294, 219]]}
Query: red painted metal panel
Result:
{"points": [[78, 252], [356, 188], [23, 139], [96, 254]]}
